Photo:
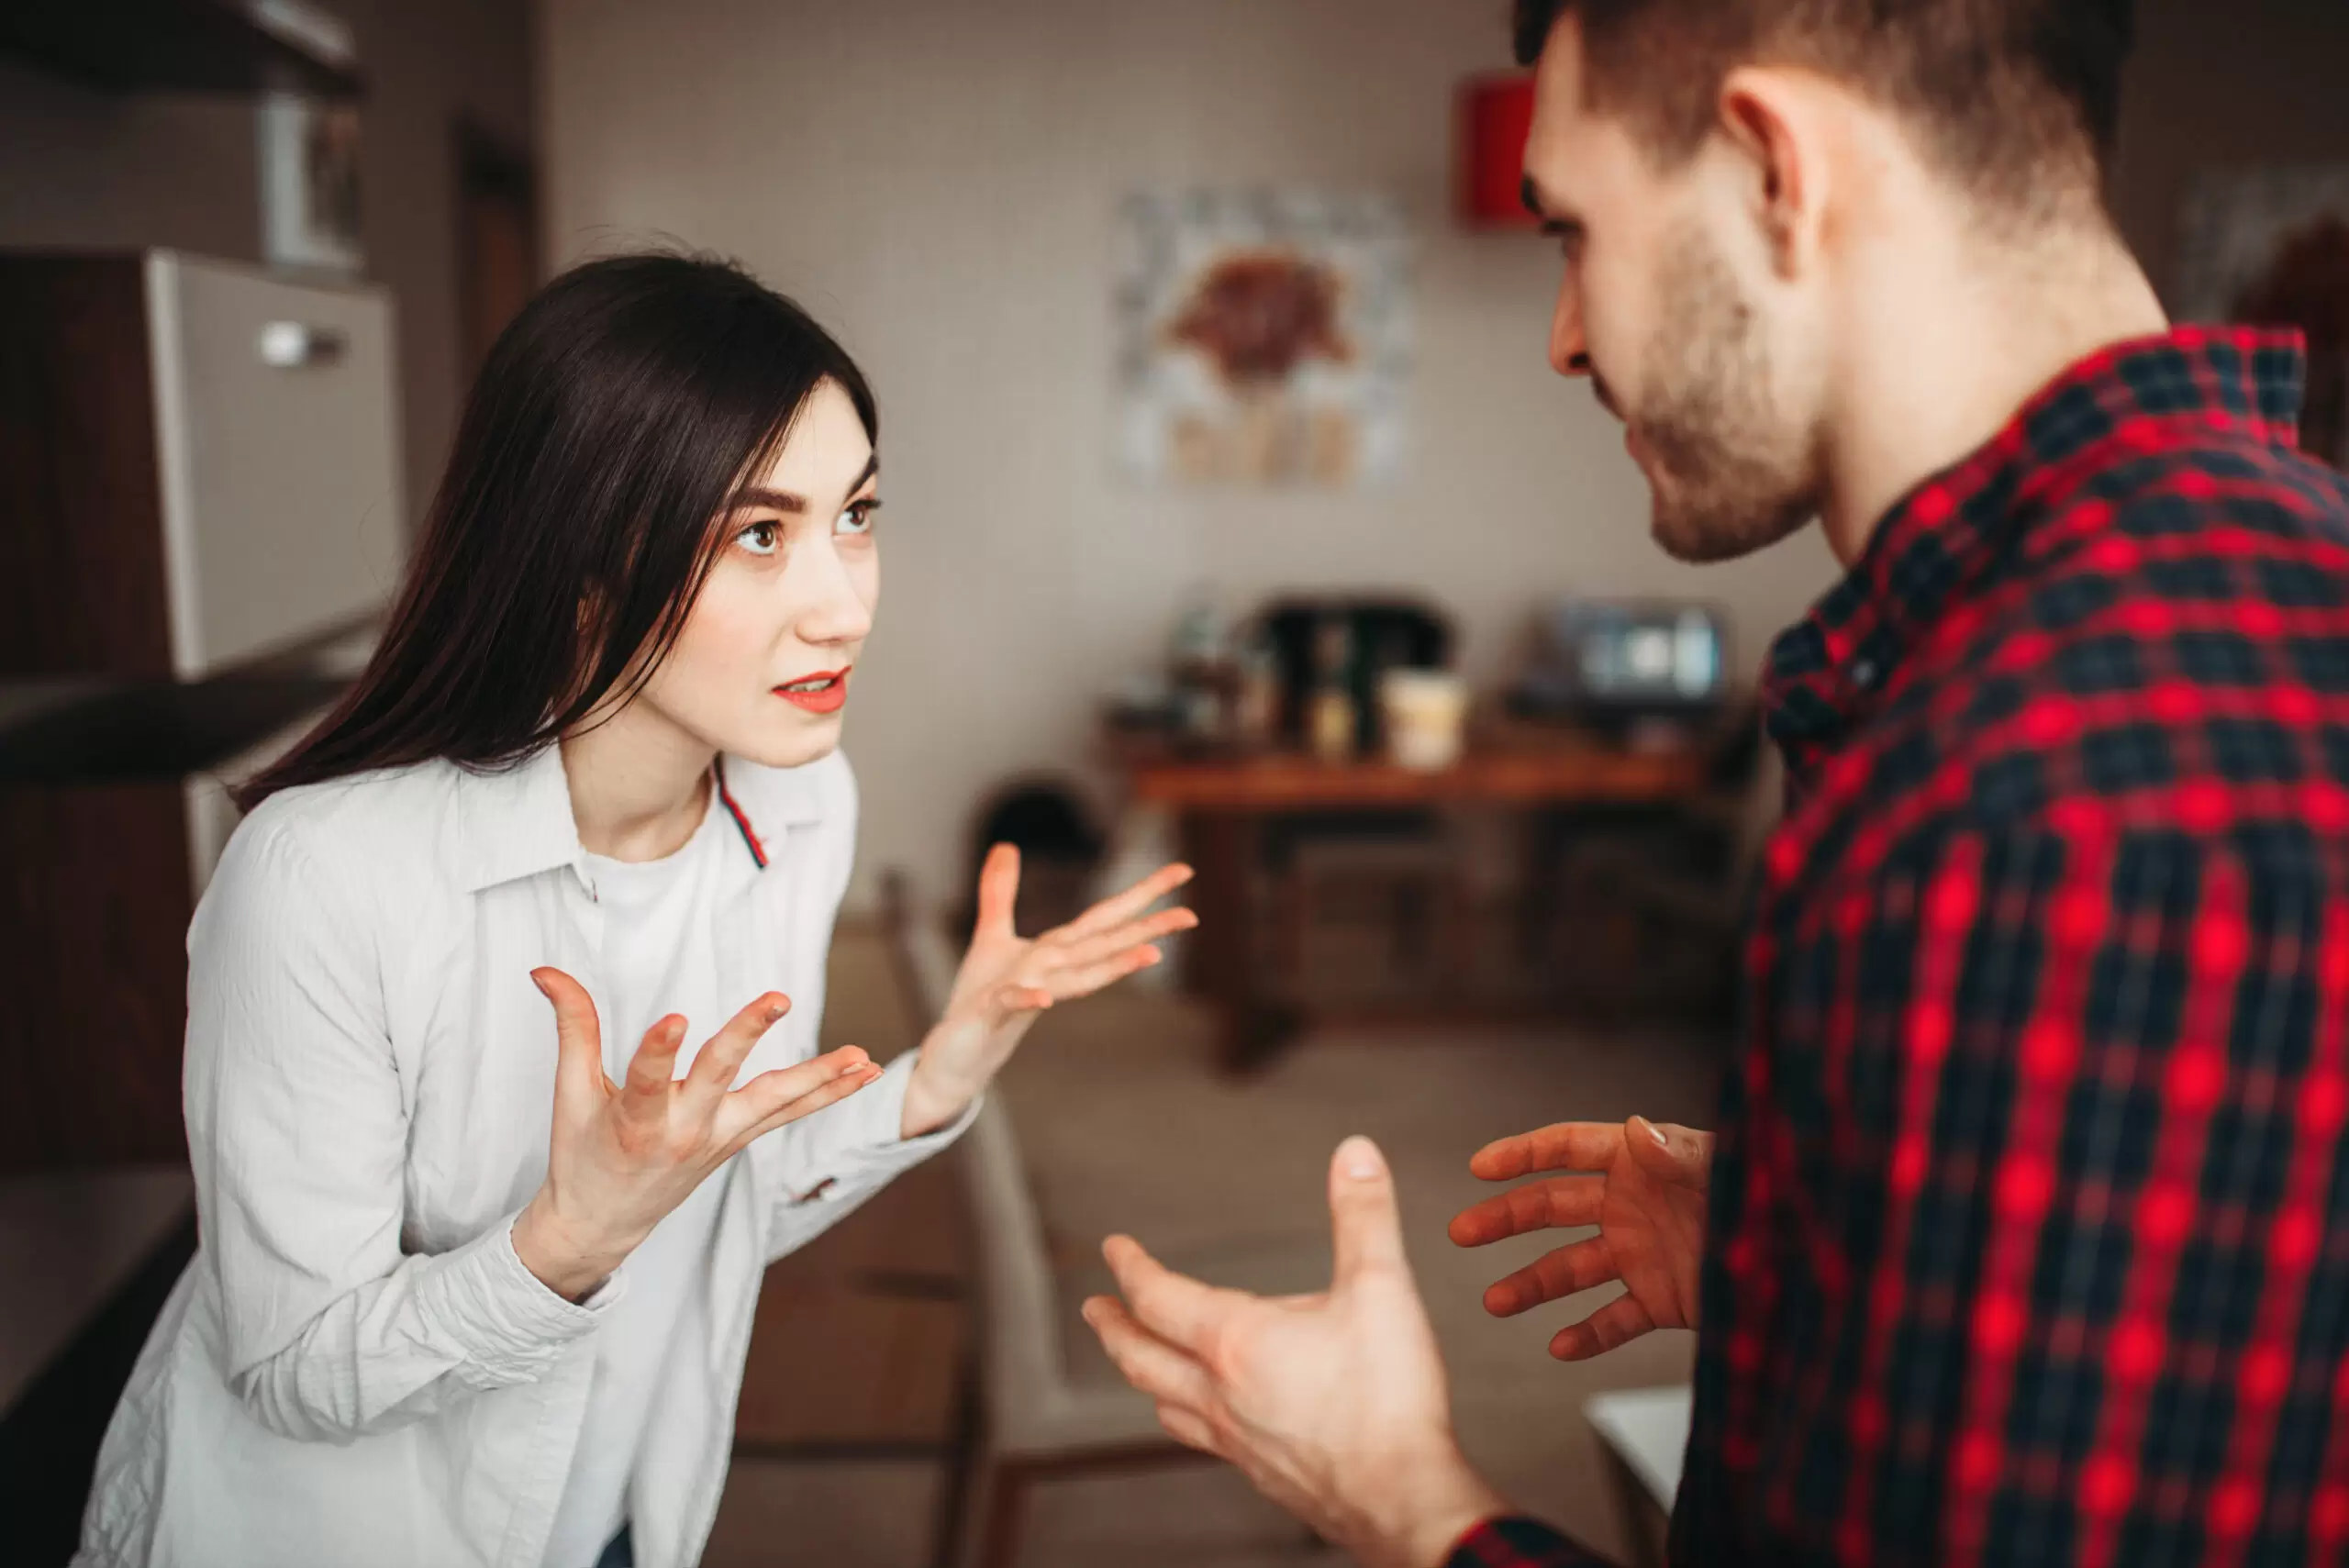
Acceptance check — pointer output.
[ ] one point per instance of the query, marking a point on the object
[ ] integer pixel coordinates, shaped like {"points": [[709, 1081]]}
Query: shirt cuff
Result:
{"points": [[865, 1144], [1515, 1542], [511, 1322]]}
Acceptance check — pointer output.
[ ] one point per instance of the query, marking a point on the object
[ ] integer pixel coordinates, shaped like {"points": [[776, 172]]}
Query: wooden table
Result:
{"points": [[1222, 803]]}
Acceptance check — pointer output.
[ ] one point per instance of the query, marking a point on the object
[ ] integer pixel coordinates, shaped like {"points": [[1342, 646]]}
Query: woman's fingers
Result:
{"points": [[1120, 907], [1009, 1001], [1547, 1204], [1067, 985], [1077, 952], [999, 890], [1567, 1146], [786, 1093], [654, 1068], [1619, 1322], [579, 1038], [1572, 1268], [722, 1055]]}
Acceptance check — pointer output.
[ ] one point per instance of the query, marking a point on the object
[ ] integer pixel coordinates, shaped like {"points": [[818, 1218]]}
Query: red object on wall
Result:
{"points": [[1494, 115]]}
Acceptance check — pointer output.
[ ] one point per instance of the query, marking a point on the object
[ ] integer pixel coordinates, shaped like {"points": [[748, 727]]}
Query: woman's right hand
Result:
{"points": [[623, 1155]]}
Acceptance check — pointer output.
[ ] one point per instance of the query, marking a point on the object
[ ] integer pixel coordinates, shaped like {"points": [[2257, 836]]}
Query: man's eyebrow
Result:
{"points": [[754, 497]]}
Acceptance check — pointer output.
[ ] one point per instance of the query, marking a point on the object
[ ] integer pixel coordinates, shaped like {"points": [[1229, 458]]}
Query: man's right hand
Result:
{"points": [[624, 1155], [1644, 1186]]}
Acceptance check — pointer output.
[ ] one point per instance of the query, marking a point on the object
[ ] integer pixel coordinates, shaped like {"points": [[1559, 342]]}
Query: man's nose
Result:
{"points": [[1569, 354]]}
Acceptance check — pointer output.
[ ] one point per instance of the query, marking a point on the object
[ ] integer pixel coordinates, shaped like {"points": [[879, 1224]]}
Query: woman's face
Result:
{"points": [[760, 669]]}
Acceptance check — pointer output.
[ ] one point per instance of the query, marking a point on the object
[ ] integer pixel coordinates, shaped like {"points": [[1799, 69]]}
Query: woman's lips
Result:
{"points": [[824, 697]]}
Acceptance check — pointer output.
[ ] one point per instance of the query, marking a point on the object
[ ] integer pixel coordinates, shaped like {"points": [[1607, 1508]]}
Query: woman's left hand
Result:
{"points": [[1007, 979]]}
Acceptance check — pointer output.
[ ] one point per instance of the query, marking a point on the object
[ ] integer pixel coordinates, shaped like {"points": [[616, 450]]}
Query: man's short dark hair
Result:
{"points": [[2014, 97]]}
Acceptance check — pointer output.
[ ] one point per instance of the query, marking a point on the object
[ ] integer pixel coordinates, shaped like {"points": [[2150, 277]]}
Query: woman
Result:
{"points": [[476, 1280]]}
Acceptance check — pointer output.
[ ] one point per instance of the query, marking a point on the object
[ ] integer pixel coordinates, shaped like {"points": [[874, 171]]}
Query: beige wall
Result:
{"points": [[82, 168], [936, 181]]}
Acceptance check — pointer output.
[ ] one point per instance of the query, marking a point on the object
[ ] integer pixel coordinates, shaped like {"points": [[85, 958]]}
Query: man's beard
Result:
{"points": [[1729, 476]]}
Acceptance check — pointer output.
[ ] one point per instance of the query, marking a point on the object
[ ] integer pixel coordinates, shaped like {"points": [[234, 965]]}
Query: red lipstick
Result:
{"points": [[823, 692]]}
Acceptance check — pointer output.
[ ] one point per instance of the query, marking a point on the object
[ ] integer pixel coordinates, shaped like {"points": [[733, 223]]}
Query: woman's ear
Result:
{"points": [[1768, 121]]}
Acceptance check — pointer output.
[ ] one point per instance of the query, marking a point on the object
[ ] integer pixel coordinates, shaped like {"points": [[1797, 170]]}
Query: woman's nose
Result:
{"points": [[834, 611]]}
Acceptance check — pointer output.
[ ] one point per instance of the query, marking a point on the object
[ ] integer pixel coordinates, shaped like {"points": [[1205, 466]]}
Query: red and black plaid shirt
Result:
{"points": [[2030, 1228]]}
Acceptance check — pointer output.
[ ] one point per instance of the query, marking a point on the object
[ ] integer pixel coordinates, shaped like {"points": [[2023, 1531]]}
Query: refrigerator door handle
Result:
{"points": [[296, 345]]}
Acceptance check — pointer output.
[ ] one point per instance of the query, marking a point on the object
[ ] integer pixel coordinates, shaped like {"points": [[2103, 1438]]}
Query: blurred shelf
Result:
{"points": [[68, 1241], [78, 732], [187, 46]]}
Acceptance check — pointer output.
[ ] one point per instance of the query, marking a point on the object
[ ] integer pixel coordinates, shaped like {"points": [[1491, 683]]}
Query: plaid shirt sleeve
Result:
{"points": [[2094, 1073], [1520, 1543]]}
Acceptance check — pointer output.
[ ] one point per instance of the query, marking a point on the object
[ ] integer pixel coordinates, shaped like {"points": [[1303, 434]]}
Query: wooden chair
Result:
{"points": [[1024, 1420]]}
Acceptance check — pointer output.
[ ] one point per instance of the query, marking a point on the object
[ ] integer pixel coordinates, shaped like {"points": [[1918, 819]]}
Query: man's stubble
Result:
{"points": [[1731, 472]]}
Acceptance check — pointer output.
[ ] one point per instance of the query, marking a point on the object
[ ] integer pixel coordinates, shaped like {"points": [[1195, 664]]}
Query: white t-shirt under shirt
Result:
{"points": [[657, 960]]}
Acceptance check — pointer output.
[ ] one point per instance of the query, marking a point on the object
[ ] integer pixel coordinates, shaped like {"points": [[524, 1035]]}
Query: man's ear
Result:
{"points": [[1768, 124]]}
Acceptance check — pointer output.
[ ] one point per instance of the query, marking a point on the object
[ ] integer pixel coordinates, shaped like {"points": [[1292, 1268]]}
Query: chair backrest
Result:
{"points": [[1026, 1375]]}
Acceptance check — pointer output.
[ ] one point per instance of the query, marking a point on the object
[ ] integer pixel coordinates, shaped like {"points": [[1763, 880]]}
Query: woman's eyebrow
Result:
{"points": [[773, 500], [789, 501]]}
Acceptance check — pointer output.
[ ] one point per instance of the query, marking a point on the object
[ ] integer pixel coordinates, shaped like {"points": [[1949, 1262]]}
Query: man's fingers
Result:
{"points": [[722, 1055], [1187, 1427], [1681, 1156], [999, 890], [1367, 1231], [1579, 1266], [1567, 1146], [1179, 1309], [1120, 907], [786, 1093], [1149, 1362], [1619, 1322], [1550, 1205], [579, 1038]]}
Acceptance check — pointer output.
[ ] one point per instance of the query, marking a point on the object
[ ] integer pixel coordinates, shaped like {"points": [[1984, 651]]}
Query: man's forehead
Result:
{"points": [[1558, 74], [1562, 126]]}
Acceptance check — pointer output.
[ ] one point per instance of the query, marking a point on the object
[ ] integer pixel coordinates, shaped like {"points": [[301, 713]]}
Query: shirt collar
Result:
{"points": [[1937, 540], [517, 822]]}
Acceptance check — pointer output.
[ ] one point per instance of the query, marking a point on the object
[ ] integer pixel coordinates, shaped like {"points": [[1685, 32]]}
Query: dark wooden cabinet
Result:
{"points": [[198, 482]]}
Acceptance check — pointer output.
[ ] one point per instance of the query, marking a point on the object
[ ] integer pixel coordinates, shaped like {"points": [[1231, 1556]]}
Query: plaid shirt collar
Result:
{"points": [[1937, 540]]}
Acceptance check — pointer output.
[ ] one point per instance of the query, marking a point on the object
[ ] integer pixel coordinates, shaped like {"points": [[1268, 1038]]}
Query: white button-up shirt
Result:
{"points": [[355, 1368]]}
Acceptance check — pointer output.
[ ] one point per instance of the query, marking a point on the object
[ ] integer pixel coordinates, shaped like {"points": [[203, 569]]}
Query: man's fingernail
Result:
{"points": [[1358, 1157], [541, 984], [1657, 1132]]}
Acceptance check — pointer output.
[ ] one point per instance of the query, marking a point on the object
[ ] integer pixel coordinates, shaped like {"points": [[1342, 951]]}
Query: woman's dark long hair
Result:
{"points": [[574, 525]]}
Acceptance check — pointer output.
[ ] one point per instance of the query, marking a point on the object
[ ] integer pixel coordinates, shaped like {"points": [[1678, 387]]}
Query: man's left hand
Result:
{"points": [[1334, 1404]]}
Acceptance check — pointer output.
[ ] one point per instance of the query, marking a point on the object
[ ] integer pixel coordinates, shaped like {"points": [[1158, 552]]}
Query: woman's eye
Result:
{"points": [[858, 518], [761, 539]]}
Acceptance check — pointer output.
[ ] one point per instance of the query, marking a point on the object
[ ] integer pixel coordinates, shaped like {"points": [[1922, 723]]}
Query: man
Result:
{"points": [[2028, 1237]]}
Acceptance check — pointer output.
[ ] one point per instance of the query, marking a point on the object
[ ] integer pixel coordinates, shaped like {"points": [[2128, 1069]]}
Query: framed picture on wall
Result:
{"points": [[309, 151], [2270, 246], [1264, 338], [309, 185]]}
